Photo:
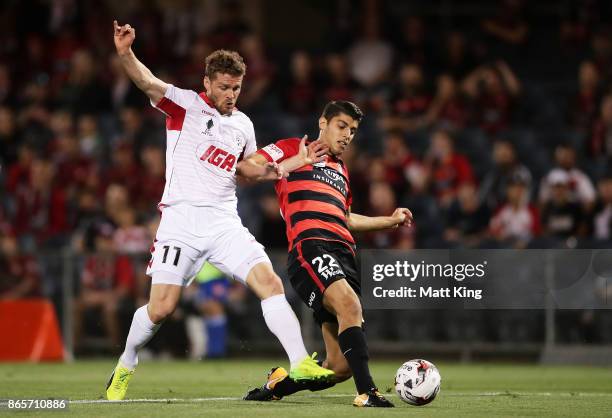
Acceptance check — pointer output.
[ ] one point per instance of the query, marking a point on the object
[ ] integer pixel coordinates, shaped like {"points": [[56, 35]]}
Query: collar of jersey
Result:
{"points": [[211, 104]]}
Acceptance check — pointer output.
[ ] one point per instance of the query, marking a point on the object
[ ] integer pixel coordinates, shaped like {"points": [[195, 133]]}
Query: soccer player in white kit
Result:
{"points": [[207, 137]]}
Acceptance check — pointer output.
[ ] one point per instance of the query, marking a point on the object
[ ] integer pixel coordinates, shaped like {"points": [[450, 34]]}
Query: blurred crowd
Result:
{"points": [[494, 128]]}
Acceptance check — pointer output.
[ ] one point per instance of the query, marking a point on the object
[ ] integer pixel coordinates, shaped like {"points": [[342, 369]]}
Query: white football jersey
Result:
{"points": [[203, 148]]}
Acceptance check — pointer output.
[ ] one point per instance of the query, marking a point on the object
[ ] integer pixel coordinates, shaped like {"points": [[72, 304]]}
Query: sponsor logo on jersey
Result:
{"points": [[332, 174], [208, 113], [219, 158], [273, 151]]}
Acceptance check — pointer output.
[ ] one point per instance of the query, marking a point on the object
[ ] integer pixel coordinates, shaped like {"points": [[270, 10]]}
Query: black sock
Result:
{"points": [[353, 345], [288, 386]]}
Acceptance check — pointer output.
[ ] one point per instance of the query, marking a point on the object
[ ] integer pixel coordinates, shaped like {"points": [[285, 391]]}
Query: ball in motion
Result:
{"points": [[417, 382]]}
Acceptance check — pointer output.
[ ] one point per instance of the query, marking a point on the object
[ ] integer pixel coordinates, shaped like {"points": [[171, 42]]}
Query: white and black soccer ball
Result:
{"points": [[417, 382]]}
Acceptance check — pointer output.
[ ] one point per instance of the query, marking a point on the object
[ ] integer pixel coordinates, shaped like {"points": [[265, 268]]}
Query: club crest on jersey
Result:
{"points": [[239, 141], [209, 126]]}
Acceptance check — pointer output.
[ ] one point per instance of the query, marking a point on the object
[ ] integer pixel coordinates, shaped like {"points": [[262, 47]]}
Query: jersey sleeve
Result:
{"points": [[251, 143], [174, 105], [280, 150]]}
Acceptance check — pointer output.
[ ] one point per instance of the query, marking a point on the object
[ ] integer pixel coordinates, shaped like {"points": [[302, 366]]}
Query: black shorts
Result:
{"points": [[313, 265]]}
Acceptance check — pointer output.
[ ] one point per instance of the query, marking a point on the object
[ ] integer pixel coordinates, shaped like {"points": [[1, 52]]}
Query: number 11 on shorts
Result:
{"points": [[177, 255]]}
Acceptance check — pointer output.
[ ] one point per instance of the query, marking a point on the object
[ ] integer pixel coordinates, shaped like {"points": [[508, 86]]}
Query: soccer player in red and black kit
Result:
{"points": [[315, 202]]}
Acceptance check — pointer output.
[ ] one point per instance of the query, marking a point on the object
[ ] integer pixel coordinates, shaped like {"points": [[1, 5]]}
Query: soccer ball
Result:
{"points": [[417, 382]]}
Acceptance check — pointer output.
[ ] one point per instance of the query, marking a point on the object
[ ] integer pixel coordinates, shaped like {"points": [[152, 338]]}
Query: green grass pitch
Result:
{"points": [[214, 389]]}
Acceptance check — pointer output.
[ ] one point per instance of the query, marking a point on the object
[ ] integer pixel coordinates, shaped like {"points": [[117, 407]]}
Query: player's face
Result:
{"points": [[223, 90], [338, 132]]}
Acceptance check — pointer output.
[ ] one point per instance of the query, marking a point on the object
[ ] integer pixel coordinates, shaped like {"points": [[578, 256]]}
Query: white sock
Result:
{"points": [[283, 323], [141, 331]]}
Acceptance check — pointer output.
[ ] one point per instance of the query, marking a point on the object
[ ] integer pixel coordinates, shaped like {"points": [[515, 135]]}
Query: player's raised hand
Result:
{"points": [[312, 153], [402, 216], [124, 37]]}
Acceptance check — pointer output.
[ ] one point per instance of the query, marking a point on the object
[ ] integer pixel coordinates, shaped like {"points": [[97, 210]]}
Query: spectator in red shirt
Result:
{"points": [[124, 169], [399, 163], [409, 102], [447, 169], [152, 179], [19, 273], [41, 206], [18, 173], [74, 170], [130, 237], [382, 199], [106, 281], [448, 108], [492, 89]]}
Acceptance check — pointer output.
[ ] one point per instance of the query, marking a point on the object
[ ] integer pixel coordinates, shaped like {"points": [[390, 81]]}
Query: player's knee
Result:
{"points": [[271, 284], [349, 310], [160, 310]]}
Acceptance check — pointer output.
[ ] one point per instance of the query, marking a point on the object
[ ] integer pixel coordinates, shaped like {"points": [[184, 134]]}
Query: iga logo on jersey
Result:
{"points": [[219, 158]]}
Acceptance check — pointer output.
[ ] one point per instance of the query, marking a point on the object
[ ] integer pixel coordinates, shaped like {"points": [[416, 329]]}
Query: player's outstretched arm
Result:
{"points": [[144, 79], [307, 154], [361, 223], [257, 168]]}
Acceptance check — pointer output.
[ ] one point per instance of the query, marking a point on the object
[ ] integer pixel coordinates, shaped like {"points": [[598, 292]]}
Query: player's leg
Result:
{"points": [[147, 319], [341, 299], [238, 253], [279, 383], [172, 263], [283, 323], [334, 360]]}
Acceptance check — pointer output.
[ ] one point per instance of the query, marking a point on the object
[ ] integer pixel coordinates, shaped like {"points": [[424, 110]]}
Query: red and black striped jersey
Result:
{"points": [[315, 199]]}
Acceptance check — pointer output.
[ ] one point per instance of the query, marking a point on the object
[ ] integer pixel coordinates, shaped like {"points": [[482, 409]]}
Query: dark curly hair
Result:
{"points": [[224, 62]]}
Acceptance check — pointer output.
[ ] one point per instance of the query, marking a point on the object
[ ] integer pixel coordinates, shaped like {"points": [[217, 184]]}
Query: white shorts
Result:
{"points": [[189, 235]]}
